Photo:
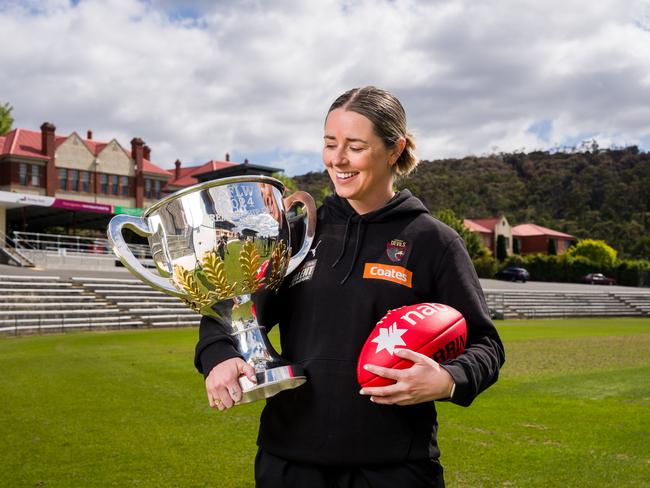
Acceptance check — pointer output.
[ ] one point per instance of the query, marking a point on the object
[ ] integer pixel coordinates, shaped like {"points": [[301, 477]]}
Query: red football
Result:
{"points": [[432, 329]]}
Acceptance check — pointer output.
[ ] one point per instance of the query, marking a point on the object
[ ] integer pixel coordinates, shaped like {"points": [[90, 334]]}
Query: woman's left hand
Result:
{"points": [[425, 381]]}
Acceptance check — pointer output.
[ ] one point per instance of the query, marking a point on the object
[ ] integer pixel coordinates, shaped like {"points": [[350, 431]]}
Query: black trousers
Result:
{"points": [[274, 472]]}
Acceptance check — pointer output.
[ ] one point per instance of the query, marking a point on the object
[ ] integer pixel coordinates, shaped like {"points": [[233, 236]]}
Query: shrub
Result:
{"points": [[598, 252], [485, 266], [632, 272]]}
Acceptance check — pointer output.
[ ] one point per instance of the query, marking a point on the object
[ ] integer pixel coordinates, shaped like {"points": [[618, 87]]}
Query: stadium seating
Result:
{"points": [[48, 303], [39, 303], [133, 297], [538, 304]]}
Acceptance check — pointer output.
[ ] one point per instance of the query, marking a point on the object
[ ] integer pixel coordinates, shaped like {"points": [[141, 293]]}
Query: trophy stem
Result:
{"points": [[273, 373]]}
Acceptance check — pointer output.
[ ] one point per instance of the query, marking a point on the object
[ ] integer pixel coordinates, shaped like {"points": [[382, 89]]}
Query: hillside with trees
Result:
{"points": [[595, 193]]}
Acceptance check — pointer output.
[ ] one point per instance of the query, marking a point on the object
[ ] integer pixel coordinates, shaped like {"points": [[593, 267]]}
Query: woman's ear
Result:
{"points": [[398, 148]]}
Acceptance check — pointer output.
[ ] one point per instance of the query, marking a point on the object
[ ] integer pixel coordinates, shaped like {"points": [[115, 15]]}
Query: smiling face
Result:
{"points": [[358, 161]]}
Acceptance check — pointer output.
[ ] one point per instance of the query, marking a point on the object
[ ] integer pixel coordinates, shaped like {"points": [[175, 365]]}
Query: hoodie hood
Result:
{"points": [[402, 205]]}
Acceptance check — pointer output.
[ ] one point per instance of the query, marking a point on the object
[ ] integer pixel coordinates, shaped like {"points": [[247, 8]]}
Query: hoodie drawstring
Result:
{"points": [[345, 241], [357, 245]]}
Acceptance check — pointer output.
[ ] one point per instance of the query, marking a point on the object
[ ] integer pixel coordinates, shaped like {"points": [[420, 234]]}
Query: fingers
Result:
{"points": [[248, 370], [416, 357], [390, 373], [222, 384]]}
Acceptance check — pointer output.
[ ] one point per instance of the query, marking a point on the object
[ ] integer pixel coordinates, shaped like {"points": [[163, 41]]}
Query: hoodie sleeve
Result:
{"points": [[457, 285], [215, 345]]}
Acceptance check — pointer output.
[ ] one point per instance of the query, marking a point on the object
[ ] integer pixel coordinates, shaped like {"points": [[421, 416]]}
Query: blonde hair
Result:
{"points": [[388, 118]]}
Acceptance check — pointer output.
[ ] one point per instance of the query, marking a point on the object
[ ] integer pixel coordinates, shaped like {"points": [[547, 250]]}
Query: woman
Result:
{"points": [[328, 432]]}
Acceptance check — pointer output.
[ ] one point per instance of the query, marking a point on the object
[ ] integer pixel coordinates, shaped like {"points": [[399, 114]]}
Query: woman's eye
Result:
{"points": [[330, 146], [356, 149]]}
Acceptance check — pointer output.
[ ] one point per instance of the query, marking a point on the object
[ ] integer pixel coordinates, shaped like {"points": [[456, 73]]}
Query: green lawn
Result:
{"points": [[127, 409]]}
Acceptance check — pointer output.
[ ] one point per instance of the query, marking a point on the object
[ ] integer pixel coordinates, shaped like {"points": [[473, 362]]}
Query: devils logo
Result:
{"points": [[395, 250]]}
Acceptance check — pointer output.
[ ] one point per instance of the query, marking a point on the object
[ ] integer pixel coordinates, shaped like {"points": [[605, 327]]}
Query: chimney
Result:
{"points": [[227, 157], [47, 144], [146, 153], [89, 136], [177, 173], [246, 161], [137, 151]]}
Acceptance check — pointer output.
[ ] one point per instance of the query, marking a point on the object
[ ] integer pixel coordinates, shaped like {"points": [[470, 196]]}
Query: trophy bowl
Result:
{"points": [[214, 245]]}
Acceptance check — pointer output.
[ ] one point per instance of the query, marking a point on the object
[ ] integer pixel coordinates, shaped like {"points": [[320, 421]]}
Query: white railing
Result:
{"points": [[59, 243], [10, 246]]}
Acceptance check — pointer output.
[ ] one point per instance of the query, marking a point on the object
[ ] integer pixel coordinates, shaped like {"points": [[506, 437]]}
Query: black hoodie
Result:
{"points": [[326, 310]]}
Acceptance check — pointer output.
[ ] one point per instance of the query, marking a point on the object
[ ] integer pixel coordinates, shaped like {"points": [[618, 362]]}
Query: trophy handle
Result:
{"points": [[310, 206], [121, 249]]}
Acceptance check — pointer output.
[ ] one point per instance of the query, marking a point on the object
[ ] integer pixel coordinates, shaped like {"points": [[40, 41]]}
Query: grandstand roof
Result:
{"points": [[188, 174]]}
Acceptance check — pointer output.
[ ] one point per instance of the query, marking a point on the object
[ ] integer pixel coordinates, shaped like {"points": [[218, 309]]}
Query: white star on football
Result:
{"points": [[389, 338]]}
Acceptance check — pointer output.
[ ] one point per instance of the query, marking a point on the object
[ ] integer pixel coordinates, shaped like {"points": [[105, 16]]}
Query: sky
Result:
{"points": [[199, 79]]}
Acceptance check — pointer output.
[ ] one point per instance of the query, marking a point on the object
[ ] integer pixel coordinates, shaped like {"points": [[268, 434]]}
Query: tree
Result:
{"points": [[6, 120], [287, 181], [598, 252], [473, 243], [502, 251]]}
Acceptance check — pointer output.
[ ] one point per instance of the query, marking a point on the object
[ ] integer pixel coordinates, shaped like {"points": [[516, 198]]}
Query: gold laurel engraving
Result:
{"points": [[197, 298], [279, 261], [214, 270], [249, 261]]}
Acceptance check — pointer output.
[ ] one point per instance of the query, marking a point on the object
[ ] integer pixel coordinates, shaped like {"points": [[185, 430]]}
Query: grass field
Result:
{"points": [[127, 409]]}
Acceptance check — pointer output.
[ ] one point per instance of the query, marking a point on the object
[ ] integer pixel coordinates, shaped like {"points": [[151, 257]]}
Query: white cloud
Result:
{"points": [[198, 79]]}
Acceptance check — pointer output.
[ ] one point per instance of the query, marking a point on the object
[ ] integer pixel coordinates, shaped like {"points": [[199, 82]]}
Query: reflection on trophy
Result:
{"points": [[215, 244]]}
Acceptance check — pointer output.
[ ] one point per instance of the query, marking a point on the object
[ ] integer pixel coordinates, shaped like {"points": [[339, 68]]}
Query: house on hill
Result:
{"points": [[526, 238], [490, 230], [534, 238]]}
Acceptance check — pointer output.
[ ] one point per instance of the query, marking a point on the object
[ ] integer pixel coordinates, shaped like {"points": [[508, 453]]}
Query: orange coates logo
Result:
{"points": [[396, 274]]}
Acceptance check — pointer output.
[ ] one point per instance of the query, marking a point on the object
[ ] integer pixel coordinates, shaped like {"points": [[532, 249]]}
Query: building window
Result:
{"points": [[74, 180], [114, 184], [147, 188], [63, 179], [156, 188], [22, 174], [85, 181], [36, 175], [103, 183], [124, 183]]}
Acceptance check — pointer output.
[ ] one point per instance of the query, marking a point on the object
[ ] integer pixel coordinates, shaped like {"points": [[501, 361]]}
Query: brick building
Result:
{"points": [[48, 179]]}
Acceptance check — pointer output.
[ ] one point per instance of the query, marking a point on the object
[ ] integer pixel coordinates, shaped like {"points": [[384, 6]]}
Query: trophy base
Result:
{"points": [[270, 382]]}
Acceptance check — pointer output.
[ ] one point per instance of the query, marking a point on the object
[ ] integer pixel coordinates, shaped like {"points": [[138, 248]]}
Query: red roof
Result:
{"points": [[529, 230], [473, 226], [21, 142], [489, 224], [149, 167], [187, 175], [27, 143]]}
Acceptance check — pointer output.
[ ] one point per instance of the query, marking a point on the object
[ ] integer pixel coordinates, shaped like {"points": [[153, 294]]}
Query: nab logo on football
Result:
{"points": [[433, 329]]}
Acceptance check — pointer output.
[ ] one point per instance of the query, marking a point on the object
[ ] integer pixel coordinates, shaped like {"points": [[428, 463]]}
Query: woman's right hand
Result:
{"points": [[222, 384]]}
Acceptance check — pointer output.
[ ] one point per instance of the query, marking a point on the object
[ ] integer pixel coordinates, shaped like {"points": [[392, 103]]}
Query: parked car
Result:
{"points": [[598, 279], [513, 274]]}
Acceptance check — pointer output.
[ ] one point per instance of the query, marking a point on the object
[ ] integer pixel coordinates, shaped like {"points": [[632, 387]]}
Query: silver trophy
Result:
{"points": [[215, 244]]}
